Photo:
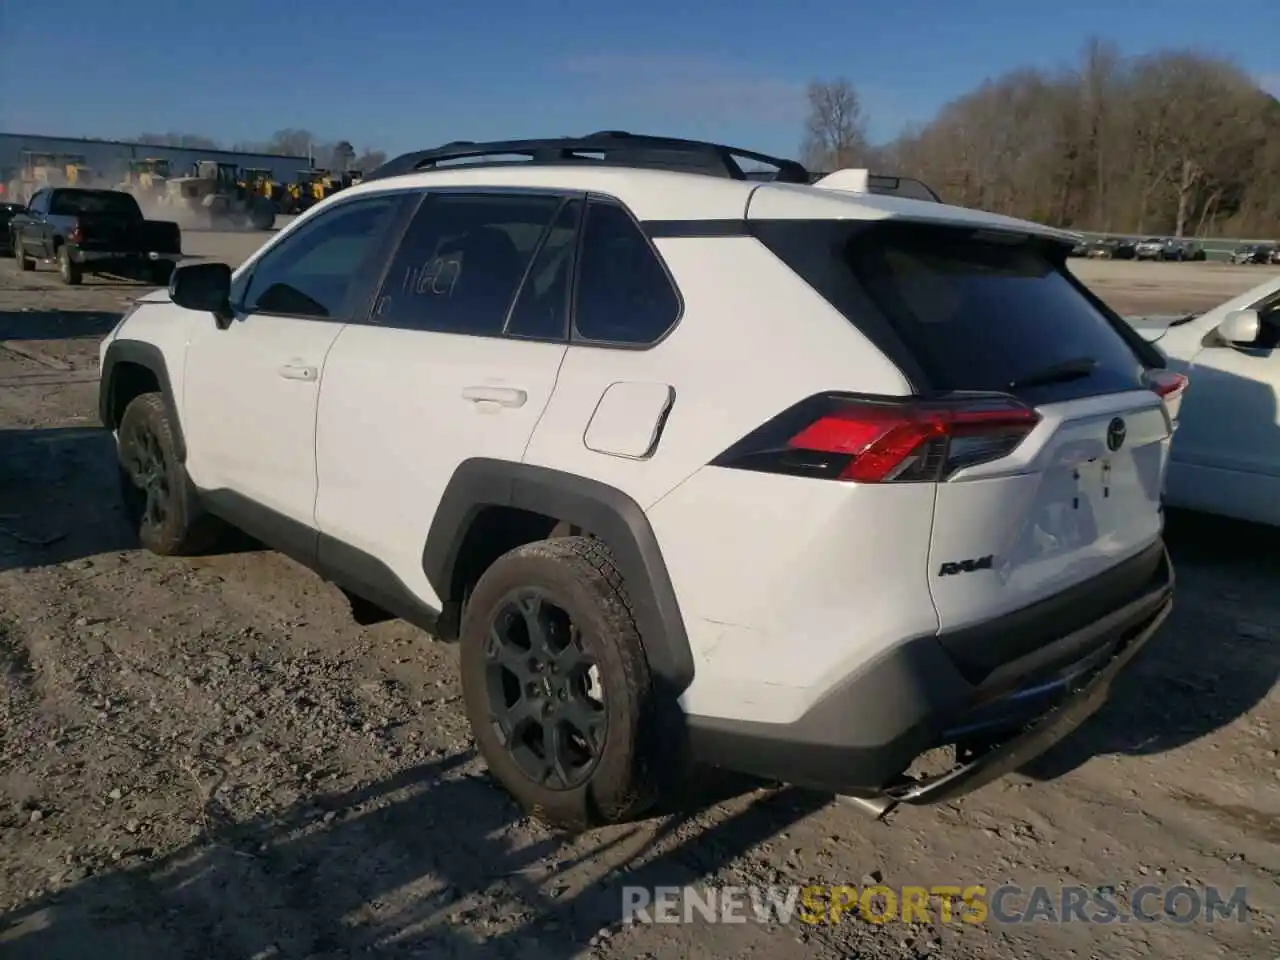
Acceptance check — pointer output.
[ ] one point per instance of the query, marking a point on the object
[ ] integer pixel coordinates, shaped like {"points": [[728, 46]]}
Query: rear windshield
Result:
{"points": [[108, 202], [959, 311]]}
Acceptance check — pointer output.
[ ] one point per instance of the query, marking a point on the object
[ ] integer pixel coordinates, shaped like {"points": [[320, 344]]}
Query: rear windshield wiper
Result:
{"points": [[1073, 369]]}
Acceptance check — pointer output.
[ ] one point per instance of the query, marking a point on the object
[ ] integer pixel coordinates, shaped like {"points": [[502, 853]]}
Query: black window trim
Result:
{"points": [[361, 300], [358, 295], [575, 339], [364, 315], [572, 288], [1266, 302]]}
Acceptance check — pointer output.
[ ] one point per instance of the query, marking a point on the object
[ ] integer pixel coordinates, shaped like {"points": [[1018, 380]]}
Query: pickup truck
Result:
{"points": [[93, 231], [7, 212]]}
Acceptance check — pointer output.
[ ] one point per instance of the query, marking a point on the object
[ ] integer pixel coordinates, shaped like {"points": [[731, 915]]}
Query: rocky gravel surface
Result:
{"points": [[207, 758]]}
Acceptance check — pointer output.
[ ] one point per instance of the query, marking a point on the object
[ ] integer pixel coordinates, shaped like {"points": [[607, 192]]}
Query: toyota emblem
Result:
{"points": [[1115, 434]]}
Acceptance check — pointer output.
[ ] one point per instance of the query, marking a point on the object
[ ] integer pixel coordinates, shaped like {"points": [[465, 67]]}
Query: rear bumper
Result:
{"points": [[861, 738], [97, 257]]}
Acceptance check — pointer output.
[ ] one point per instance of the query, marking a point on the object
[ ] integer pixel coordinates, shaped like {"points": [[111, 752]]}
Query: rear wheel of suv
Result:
{"points": [[556, 684], [157, 499]]}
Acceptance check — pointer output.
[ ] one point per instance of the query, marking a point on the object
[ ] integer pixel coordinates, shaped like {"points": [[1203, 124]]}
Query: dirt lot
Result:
{"points": [[205, 758], [1157, 288]]}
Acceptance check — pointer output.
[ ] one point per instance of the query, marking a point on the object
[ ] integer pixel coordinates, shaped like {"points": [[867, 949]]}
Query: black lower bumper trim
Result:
{"points": [[1082, 702], [982, 651], [861, 737]]}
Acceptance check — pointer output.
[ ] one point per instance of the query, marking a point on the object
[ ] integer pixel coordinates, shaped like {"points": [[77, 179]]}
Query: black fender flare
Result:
{"points": [[605, 511], [145, 355]]}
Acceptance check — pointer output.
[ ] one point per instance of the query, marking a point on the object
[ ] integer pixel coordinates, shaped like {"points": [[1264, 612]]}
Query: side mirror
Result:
{"points": [[1240, 327], [204, 287]]}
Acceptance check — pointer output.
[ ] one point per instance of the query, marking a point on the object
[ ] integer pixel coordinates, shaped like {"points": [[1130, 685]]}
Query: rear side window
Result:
{"points": [[971, 313], [624, 294], [461, 260]]}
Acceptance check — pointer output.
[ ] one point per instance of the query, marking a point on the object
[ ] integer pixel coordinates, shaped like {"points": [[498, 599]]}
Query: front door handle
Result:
{"points": [[502, 396], [298, 371]]}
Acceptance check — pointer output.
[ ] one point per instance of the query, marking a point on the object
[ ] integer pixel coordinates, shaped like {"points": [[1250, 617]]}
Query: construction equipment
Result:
{"points": [[307, 190], [316, 184], [41, 169], [79, 175], [213, 191], [146, 178], [292, 200], [259, 180]]}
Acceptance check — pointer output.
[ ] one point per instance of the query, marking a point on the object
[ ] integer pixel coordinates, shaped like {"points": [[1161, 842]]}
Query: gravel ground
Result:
{"points": [[1156, 288], [206, 758]]}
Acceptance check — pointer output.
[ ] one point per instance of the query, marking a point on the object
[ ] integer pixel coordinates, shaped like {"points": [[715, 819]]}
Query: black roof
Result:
{"points": [[613, 147]]}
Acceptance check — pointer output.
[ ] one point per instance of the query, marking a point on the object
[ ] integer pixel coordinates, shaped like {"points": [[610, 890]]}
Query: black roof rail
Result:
{"points": [[613, 147]]}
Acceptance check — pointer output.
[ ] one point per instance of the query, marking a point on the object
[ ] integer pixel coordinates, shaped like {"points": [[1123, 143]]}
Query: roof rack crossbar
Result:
{"points": [[613, 147]]}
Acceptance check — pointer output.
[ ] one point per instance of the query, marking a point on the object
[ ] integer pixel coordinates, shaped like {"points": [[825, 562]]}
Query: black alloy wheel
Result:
{"points": [[544, 692], [144, 462]]}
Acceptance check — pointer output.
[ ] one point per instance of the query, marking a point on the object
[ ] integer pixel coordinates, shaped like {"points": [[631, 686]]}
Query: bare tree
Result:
{"points": [[291, 142], [370, 160], [836, 126], [1172, 142], [342, 156], [1097, 82]]}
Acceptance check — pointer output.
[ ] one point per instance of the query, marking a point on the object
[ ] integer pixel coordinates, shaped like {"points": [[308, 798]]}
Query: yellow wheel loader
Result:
{"points": [[258, 180], [212, 193], [45, 170], [313, 186], [145, 179]]}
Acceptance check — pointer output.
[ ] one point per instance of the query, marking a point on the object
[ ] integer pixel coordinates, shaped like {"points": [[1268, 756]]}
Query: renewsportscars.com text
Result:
{"points": [[940, 903]]}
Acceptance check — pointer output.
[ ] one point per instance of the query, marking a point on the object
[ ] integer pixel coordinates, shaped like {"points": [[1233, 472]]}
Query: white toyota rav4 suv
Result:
{"points": [[803, 480]]}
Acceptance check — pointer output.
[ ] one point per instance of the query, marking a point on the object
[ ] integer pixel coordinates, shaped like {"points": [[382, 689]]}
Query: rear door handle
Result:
{"points": [[502, 396], [298, 371]]}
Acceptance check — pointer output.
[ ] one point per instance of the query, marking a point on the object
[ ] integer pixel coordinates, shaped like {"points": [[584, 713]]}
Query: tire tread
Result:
{"points": [[591, 565], [189, 531]]}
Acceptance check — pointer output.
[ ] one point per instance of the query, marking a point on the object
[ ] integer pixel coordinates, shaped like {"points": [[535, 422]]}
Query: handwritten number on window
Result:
{"points": [[438, 276]]}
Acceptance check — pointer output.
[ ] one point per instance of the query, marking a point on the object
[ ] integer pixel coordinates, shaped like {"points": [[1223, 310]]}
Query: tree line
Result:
{"points": [[338, 156], [1175, 142]]}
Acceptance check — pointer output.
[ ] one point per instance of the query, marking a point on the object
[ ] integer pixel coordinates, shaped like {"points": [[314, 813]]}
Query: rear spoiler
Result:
{"points": [[861, 180]]}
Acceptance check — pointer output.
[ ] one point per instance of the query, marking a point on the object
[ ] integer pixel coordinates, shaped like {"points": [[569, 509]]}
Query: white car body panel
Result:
{"points": [[391, 433], [1225, 458]]}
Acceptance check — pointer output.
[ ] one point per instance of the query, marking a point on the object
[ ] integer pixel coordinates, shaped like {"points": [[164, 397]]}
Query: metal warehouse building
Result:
{"points": [[110, 158]]}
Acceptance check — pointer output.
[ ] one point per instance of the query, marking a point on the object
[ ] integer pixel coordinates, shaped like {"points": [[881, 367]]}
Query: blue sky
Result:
{"points": [[399, 74]]}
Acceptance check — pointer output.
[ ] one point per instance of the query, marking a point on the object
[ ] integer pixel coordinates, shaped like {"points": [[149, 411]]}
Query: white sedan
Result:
{"points": [[1225, 457]]}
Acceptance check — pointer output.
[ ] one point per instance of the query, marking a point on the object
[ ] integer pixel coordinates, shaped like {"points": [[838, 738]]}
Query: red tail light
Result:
{"points": [[75, 235], [874, 440], [1167, 384]]}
